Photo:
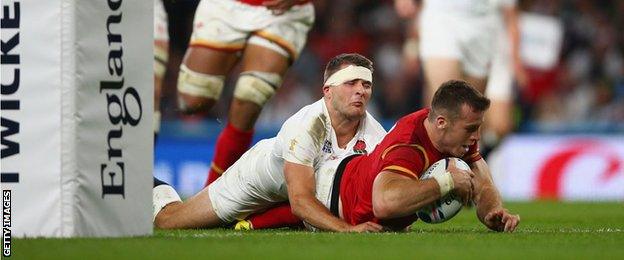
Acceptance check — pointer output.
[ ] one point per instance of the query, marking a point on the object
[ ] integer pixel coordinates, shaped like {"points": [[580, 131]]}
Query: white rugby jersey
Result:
{"points": [[306, 138]]}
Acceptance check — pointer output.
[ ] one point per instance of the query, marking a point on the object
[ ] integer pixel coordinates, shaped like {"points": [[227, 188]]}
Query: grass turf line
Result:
{"points": [[547, 230]]}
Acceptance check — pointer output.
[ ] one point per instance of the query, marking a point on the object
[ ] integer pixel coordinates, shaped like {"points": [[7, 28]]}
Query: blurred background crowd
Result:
{"points": [[582, 92]]}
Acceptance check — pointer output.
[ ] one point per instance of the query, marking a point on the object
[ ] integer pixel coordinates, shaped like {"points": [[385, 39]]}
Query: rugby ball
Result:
{"points": [[446, 207]]}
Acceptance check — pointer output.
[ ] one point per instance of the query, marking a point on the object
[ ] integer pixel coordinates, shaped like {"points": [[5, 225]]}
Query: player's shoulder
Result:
{"points": [[403, 147], [308, 113], [311, 117], [306, 116]]}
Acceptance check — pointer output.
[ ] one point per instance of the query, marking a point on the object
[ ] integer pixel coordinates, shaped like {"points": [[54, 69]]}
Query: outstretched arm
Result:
{"points": [[490, 209], [301, 193]]}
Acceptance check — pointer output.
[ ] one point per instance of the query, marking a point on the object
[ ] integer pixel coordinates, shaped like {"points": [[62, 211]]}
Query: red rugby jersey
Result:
{"points": [[407, 150]]}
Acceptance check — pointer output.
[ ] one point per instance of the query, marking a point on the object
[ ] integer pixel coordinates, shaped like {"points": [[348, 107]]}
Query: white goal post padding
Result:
{"points": [[77, 102]]}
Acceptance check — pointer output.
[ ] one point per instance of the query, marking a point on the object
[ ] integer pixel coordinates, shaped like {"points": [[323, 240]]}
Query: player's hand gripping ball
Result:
{"points": [[446, 207]]}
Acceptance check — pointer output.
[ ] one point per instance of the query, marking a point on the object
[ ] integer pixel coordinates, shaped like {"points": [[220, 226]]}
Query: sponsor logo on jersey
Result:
{"points": [[327, 147]]}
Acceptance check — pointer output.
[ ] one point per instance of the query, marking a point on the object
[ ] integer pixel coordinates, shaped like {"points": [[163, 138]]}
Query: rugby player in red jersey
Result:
{"points": [[384, 186]]}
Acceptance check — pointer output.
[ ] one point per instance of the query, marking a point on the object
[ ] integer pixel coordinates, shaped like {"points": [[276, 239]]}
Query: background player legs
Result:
{"points": [[243, 114], [161, 63], [236, 137], [437, 71], [499, 117], [477, 82], [206, 61]]}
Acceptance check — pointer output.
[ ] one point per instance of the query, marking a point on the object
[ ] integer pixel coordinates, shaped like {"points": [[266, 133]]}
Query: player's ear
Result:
{"points": [[326, 91], [441, 122]]}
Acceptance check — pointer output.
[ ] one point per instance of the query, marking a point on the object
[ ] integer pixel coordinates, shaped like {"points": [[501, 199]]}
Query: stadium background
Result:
{"points": [[581, 98], [580, 102]]}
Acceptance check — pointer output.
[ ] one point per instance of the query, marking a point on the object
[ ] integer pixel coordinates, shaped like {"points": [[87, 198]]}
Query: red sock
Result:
{"points": [[231, 144], [276, 217]]}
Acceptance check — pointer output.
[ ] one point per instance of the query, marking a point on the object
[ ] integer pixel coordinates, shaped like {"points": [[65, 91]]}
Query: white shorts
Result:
{"points": [[470, 40], [500, 81], [245, 188], [229, 25], [160, 22]]}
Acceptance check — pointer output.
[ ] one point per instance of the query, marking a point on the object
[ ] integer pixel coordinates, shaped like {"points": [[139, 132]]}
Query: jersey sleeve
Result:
{"points": [[406, 159], [301, 145], [473, 154]]}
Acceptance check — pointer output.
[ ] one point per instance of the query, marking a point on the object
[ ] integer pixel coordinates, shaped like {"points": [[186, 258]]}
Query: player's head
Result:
{"points": [[348, 83], [457, 113]]}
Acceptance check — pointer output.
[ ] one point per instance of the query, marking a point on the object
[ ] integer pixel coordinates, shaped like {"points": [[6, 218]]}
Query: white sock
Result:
{"points": [[163, 195]]}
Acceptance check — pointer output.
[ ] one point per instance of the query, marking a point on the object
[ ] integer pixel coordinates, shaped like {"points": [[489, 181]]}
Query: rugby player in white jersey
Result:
{"points": [[265, 37], [457, 39], [283, 168]]}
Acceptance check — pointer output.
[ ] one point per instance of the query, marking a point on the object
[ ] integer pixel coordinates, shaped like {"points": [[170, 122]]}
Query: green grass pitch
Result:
{"points": [[547, 230]]}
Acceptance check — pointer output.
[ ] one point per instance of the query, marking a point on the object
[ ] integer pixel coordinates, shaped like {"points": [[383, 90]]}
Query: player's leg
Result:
{"points": [[160, 67], [478, 82], [262, 71], [202, 77], [275, 217], [499, 118], [161, 56], [211, 55], [281, 215], [478, 46], [437, 71], [439, 52], [226, 200], [171, 213], [261, 76], [245, 189], [268, 54]]}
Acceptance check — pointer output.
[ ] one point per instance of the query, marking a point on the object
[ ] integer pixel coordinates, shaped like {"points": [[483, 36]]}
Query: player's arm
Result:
{"points": [[398, 191], [489, 204], [301, 193], [397, 195]]}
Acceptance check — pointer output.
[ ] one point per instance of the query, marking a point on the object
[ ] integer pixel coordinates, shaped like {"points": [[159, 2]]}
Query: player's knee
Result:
{"points": [[161, 56], [160, 221], [163, 222], [198, 91], [257, 87], [165, 218]]}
